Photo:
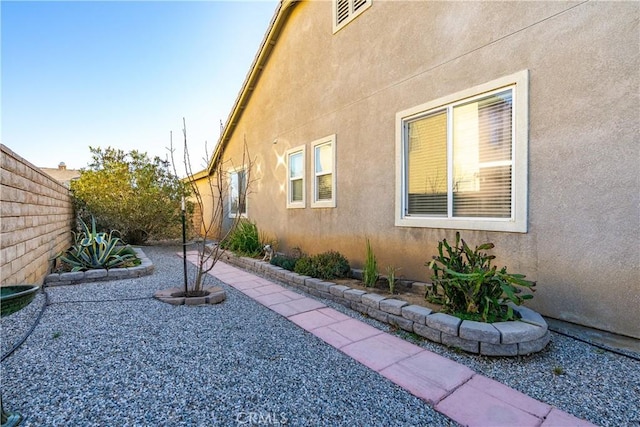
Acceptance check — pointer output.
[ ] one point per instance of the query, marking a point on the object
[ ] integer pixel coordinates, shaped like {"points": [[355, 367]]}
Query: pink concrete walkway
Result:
{"points": [[452, 389]]}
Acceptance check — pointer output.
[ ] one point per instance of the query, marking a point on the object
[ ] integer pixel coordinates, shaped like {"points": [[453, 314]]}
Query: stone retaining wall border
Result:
{"points": [[515, 338], [73, 278]]}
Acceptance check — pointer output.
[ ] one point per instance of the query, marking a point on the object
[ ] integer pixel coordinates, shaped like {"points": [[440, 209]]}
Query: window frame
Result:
{"points": [[519, 175], [315, 202], [353, 14], [231, 213], [290, 203]]}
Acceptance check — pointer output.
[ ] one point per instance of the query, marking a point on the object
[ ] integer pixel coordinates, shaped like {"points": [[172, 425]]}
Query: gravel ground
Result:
{"points": [[240, 364], [107, 354], [586, 381]]}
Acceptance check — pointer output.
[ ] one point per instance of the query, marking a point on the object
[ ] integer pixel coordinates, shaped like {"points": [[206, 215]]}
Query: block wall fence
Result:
{"points": [[36, 219]]}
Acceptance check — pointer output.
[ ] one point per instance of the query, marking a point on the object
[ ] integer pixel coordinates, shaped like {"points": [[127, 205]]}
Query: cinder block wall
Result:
{"points": [[36, 216]]}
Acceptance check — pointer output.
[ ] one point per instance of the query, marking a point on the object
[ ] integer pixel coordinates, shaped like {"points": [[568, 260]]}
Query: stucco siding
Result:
{"points": [[581, 245]]}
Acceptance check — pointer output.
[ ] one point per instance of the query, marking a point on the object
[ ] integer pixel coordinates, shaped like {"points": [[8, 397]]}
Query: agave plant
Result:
{"points": [[93, 250]]}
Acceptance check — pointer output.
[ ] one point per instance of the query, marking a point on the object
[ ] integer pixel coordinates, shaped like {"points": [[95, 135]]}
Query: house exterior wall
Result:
{"points": [[581, 245], [36, 218], [210, 209]]}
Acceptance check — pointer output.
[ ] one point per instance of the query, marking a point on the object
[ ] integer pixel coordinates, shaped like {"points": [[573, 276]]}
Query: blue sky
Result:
{"points": [[122, 74]]}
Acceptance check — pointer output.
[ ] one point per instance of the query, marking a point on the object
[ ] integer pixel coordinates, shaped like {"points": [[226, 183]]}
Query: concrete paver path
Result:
{"points": [[451, 388]]}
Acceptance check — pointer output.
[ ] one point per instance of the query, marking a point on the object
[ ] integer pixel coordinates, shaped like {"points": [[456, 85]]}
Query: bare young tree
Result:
{"points": [[213, 228]]}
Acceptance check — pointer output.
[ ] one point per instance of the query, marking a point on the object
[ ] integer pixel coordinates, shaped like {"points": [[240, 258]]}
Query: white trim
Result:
{"points": [[315, 203], [230, 194], [518, 222], [351, 13], [299, 204]]}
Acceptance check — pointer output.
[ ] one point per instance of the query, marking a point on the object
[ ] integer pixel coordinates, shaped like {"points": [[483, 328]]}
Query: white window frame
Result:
{"points": [[519, 189], [315, 203], [360, 5], [290, 203], [234, 192]]}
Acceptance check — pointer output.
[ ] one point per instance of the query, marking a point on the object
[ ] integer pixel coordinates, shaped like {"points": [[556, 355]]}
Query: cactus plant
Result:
{"points": [[466, 284]]}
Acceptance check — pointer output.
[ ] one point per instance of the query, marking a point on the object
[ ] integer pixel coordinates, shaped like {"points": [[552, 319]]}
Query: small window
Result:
{"points": [[345, 11], [295, 178], [238, 193], [324, 182], [463, 159]]}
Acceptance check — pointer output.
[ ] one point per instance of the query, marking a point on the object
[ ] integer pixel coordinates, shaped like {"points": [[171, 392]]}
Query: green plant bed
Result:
{"points": [[142, 267], [244, 240], [327, 265], [370, 272], [527, 333], [63, 267], [96, 250], [466, 284], [477, 317], [286, 262]]}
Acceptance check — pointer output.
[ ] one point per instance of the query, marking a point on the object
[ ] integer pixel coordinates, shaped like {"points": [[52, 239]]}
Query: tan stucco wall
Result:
{"points": [[584, 223], [36, 216], [207, 191]]}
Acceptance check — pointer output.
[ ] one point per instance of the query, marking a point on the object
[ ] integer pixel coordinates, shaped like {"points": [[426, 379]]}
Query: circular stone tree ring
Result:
{"points": [[176, 296]]}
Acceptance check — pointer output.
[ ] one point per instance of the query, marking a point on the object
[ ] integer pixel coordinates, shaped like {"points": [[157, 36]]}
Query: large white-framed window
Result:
{"points": [[237, 193], [461, 160], [296, 158], [345, 11], [324, 174]]}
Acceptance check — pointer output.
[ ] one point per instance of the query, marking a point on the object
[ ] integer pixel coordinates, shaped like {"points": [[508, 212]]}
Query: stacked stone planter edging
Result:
{"points": [[73, 278], [525, 336]]}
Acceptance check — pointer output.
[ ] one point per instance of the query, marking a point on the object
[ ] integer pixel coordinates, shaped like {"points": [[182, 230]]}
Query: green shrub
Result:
{"points": [[370, 271], [391, 278], [283, 261], [466, 284], [288, 261], [132, 193], [306, 267], [93, 250], [244, 240], [327, 265], [332, 265]]}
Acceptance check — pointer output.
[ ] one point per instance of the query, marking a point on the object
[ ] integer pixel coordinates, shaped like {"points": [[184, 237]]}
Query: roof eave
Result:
{"points": [[268, 44]]}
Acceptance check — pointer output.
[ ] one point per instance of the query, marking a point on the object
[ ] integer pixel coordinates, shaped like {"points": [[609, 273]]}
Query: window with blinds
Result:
{"points": [[324, 183], [427, 165], [344, 11], [295, 188], [458, 159], [482, 141]]}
